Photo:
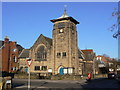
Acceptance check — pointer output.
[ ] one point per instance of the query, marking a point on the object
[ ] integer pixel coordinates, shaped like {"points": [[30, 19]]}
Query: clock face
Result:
{"points": [[61, 31]]}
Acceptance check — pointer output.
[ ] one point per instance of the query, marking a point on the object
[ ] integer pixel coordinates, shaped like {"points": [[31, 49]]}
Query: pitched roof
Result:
{"points": [[49, 40], [87, 50], [43, 38], [106, 59], [80, 54], [24, 53], [1, 43], [20, 48], [89, 54]]}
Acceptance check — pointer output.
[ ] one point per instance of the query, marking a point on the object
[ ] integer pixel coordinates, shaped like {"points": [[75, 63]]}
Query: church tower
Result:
{"points": [[65, 45]]}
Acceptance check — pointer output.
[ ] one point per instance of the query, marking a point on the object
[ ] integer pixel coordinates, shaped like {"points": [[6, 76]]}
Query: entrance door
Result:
{"points": [[61, 71], [26, 69]]}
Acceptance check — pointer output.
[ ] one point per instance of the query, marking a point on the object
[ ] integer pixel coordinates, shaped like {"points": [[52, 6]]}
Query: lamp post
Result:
{"points": [[94, 58], [117, 35]]}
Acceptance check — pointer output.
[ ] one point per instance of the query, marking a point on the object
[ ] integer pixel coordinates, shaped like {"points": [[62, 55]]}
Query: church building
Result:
{"points": [[59, 54]]}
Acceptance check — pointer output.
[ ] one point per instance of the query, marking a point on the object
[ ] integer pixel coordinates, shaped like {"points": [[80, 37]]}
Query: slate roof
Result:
{"points": [[20, 48], [42, 37], [1, 43], [24, 53], [89, 54], [80, 54], [49, 40]]}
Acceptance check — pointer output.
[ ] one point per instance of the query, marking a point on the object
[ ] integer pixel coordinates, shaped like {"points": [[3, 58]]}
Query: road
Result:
{"points": [[101, 83]]}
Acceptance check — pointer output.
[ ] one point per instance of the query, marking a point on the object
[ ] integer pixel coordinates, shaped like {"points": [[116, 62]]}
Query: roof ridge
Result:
{"points": [[45, 36]]}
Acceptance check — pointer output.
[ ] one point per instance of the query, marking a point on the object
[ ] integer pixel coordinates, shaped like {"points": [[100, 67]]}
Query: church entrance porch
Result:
{"points": [[65, 70]]}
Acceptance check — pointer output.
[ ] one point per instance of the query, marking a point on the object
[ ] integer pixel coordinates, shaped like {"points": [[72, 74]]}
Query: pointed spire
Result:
{"points": [[65, 13]]}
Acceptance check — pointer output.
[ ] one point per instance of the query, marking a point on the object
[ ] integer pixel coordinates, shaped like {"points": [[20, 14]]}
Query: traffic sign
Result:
{"points": [[29, 61]]}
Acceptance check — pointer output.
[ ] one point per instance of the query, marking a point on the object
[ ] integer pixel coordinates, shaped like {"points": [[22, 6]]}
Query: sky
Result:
{"points": [[25, 21]]}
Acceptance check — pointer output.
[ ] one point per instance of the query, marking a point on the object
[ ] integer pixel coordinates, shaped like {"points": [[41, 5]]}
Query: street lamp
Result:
{"points": [[94, 58], [117, 34]]}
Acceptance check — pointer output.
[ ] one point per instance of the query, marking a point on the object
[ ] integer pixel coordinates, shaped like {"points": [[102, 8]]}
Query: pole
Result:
{"points": [[29, 78], [94, 67], [119, 31]]}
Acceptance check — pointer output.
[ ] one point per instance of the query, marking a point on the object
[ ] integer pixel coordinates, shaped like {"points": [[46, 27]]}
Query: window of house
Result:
{"points": [[58, 54], [14, 68], [14, 59], [64, 54], [41, 53], [37, 67], [44, 68]]}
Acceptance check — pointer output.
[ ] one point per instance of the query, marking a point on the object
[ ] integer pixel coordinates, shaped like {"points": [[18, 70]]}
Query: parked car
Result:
{"points": [[112, 75], [118, 78]]}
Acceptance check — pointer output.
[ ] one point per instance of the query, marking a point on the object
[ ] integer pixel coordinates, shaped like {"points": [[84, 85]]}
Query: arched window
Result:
{"points": [[41, 54]]}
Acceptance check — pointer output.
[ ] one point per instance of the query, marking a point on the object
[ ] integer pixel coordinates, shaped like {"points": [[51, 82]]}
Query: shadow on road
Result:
{"points": [[14, 85], [101, 83]]}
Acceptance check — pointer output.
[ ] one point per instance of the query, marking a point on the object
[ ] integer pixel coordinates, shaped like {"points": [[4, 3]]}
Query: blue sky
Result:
{"points": [[25, 21]]}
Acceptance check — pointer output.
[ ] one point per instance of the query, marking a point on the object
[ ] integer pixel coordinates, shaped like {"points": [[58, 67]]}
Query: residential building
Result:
{"points": [[9, 55], [89, 61], [23, 65], [106, 64]]}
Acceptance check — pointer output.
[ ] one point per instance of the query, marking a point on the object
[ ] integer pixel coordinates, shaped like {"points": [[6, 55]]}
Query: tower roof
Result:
{"points": [[64, 14], [65, 17]]}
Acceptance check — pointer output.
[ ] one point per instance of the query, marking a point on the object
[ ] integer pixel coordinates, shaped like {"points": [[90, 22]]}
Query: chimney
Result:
{"points": [[6, 39]]}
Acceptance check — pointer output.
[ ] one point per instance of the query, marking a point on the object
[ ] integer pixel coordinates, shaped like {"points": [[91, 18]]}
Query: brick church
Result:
{"points": [[57, 55]]}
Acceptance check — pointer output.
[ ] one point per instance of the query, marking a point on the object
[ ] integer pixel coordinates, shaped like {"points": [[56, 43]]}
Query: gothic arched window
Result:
{"points": [[41, 53]]}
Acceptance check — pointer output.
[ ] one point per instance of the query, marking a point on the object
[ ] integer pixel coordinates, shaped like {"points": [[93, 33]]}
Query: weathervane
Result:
{"points": [[65, 13], [65, 6]]}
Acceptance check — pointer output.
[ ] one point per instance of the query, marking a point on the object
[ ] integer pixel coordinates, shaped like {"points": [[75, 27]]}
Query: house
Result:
{"points": [[89, 61], [9, 55], [23, 66], [106, 64]]}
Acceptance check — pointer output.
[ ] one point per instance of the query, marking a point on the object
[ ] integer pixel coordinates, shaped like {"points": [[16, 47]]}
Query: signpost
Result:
{"points": [[29, 62], [119, 31]]}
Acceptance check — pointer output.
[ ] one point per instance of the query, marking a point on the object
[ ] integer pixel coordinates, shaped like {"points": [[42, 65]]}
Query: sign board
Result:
{"points": [[8, 81], [50, 70], [29, 62]]}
